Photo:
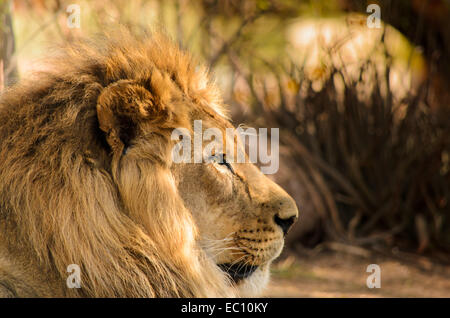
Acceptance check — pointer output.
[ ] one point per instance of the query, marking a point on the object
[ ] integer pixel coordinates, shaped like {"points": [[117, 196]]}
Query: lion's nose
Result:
{"points": [[287, 213], [285, 224]]}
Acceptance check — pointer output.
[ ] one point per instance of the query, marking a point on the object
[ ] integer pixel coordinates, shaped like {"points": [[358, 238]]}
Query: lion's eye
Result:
{"points": [[224, 162], [221, 160]]}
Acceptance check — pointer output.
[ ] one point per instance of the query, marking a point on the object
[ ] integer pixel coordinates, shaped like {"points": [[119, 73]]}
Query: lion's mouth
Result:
{"points": [[238, 271]]}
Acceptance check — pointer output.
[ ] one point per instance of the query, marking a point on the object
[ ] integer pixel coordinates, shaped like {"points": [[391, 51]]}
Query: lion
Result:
{"points": [[87, 179]]}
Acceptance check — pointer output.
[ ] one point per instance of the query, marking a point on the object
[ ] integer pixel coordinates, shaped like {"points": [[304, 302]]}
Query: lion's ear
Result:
{"points": [[120, 108]]}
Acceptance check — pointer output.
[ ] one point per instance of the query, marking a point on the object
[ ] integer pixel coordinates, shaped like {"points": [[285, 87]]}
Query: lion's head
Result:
{"points": [[89, 180]]}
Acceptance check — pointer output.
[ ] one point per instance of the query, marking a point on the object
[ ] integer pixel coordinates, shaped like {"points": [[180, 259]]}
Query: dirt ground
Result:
{"points": [[342, 275]]}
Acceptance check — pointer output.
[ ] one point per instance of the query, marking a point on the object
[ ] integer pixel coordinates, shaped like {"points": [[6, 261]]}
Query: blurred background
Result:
{"points": [[361, 95]]}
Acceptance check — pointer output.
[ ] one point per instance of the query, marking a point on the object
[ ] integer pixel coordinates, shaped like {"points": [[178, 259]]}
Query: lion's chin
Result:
{"points": [[254, 284], [249, 280]]}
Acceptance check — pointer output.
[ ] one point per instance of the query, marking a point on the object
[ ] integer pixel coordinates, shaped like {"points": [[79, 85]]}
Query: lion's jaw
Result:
{"points": [[255, 284]]}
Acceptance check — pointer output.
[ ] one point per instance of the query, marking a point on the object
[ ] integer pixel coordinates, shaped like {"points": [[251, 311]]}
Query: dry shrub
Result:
{"points": [[376, 166]]}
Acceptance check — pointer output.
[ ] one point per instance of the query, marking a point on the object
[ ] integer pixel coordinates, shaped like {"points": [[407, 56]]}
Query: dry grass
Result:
{"points": [[343, 275]]}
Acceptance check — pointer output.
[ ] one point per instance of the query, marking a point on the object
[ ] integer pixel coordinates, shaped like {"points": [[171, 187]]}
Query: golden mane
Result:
{"points": [[64, 201]]}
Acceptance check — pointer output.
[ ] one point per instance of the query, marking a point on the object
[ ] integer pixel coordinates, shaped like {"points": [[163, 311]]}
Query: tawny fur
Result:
{"points": [[66, 199]]}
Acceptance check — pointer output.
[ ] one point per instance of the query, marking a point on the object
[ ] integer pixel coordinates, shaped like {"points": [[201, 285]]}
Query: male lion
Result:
{"points": [[87, 178]]}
